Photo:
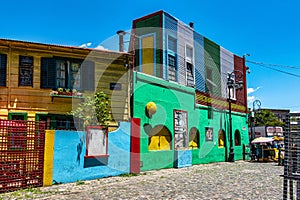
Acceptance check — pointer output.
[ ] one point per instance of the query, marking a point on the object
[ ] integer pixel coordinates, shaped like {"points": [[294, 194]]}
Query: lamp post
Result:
{"points": [[258, 103], [232, 84]]}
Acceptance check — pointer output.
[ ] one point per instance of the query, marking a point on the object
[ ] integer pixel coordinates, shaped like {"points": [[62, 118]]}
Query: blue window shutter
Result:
{"points": [[3, 61], [88, 75], [48, 73]]}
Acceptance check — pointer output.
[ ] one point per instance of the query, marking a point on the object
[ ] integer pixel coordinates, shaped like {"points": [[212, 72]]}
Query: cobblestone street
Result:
{"points": [[238, 180]]}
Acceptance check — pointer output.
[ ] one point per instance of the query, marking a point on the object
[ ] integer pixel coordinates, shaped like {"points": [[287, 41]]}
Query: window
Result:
{"points": [[189, 66], [171, 67], [25, 71], [148, 54], [160, 138], [172, 60], [60, 122], [221, 139], [172, 44], [194, 138], [17, 116], [67, 73], [209, 81], [3, 62], [237, 138]]}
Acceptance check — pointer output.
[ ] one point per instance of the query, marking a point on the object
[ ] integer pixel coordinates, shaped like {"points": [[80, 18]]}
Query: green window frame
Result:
{"points": [[17, 116], [59, 122]]}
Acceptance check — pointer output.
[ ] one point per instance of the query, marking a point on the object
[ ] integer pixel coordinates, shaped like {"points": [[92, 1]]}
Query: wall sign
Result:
{"points": [[209, 136], [180, 129], [96, 141], [115, 86]]}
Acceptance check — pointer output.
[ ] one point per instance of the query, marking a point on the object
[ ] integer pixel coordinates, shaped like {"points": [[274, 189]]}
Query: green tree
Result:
{"points": [[267, 118], [94, 110]]}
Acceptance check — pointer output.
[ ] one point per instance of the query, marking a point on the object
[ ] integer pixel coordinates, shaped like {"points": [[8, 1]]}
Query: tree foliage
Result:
{"points": [[94, 110], [267, 118]]}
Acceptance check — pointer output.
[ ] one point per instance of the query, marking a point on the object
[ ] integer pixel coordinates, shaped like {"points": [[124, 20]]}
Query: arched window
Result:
{"points": [[194, 138], [237, 138], [160, 138], [221, 138]]}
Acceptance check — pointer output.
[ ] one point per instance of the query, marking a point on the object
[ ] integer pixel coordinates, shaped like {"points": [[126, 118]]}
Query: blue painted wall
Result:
{"points": [[70, 149]]}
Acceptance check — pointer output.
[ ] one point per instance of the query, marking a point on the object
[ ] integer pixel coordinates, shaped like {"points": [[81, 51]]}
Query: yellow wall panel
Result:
{"points": [[48, 157], [148, 55]]}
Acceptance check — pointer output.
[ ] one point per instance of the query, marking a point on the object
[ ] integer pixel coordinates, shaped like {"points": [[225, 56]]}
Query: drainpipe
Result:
{"points": [[9, 64]]}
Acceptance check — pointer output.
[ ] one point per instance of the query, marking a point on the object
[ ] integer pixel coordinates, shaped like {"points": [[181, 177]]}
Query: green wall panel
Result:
{"points": [[169, 96], [212, 62]]}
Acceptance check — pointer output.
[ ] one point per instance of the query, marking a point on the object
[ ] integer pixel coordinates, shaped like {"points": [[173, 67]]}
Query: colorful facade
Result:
{"points": [[169, 101], [33, 74], [184, 74]]}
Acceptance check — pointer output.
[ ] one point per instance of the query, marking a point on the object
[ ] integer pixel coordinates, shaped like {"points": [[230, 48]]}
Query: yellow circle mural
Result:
{"points": [[151, 108]]}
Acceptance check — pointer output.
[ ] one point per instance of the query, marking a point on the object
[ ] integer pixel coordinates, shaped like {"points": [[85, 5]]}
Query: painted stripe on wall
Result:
{"points": [[170, 29], [199, 62], [185, 37], [48, 157], [227, 66], [135, 145]]}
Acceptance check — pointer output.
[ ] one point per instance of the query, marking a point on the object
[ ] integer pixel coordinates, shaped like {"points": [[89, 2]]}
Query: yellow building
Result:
{"points": [[42, 81]]}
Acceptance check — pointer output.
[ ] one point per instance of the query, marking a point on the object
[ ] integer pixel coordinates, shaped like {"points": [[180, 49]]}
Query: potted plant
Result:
{"points": [[95, 110]]}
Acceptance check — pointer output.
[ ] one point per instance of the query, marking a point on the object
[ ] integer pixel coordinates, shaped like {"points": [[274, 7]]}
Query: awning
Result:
{"points": [[262, 140]]}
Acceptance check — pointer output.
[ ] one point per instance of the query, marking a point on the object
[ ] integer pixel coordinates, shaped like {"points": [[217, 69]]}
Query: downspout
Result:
{"points": [[9, 77]]}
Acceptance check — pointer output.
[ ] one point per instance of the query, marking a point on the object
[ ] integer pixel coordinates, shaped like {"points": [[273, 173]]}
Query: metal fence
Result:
{"points": [[21, 154], [291, 182]]}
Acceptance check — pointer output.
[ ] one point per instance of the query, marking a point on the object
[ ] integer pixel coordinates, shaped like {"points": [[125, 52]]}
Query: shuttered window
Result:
{"points": [[48, 73], [3, 62], [67, 73], [88, 75]]}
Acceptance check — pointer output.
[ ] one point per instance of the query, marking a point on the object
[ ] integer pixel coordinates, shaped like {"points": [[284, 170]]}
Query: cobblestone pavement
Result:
{"points": [[238, 180]]}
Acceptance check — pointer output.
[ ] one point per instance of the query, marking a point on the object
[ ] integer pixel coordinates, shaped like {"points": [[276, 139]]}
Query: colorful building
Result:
{"points": [[184, 76], [169, 102], [42, 82]]}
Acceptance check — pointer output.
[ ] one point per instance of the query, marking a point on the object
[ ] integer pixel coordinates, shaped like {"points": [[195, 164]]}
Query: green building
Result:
{"points": [[180, 92]]}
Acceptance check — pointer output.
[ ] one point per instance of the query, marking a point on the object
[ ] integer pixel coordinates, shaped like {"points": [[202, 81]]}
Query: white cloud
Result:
{"points": [[86, 45], [100, 47], [251, 90]]}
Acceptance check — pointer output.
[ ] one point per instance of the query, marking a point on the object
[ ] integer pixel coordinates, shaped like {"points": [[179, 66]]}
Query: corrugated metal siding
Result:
{"points": [[212, 62], [185, 36], [199, 62], [169, 29], [146, 26], [227, 66]]}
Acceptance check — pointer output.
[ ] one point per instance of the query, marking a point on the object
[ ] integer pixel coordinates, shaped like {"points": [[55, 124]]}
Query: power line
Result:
{"points": [[265, 65], [273, 65]]}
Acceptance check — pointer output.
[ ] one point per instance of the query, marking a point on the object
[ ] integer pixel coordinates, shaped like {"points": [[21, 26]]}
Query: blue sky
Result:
{"points": [[268, 30]]}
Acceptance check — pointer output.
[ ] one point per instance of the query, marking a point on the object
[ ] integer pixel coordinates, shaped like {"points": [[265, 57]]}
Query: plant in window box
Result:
{"points": [[60, 91], [76, 93], [68, 92]]}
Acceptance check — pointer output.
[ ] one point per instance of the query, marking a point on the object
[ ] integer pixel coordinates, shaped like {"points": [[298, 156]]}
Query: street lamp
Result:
{"points": [[258, 103], [232, 84]]}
